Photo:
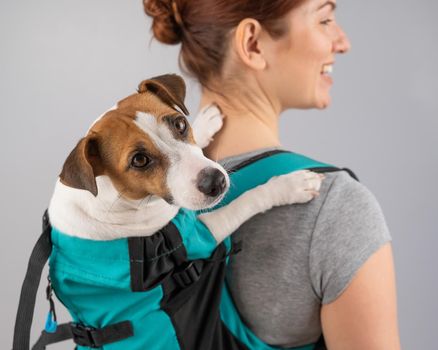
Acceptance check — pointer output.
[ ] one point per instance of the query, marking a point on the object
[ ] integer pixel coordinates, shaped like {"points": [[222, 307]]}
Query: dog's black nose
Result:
{"points": [[211, 182]]}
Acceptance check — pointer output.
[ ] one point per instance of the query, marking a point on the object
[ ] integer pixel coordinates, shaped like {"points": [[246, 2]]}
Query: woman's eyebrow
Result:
{"points": [[330, 3]]}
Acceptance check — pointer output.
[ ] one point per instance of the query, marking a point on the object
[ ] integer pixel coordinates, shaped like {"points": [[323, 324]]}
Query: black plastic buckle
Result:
{"points": [[189, 275], [84, 336]]}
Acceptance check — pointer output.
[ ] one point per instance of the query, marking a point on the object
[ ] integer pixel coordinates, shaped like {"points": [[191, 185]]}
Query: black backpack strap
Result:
{"points": [[38, 259], [63, 332], [332, 169], [86, 336], [353, 175]]}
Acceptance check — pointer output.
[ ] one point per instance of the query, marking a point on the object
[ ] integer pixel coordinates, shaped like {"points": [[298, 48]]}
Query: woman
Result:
{"points": [[329, 267]]}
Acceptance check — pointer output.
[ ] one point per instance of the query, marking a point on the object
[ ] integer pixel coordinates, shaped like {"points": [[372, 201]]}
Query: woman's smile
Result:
{"points": [[327, 70]]}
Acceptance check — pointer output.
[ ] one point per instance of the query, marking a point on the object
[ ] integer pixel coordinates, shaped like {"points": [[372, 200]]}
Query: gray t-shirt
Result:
{"points": [[297, 257]]}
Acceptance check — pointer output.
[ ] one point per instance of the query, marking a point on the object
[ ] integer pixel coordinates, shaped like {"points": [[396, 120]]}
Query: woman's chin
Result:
{"points": [[323, 101]]}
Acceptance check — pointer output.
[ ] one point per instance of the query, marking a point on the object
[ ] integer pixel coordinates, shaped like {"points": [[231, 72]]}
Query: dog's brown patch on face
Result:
{"points": [[151, 104], [170, 88], [119, 139]]}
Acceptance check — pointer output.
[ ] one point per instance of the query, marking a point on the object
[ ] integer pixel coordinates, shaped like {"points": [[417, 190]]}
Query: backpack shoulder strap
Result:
{"points": [[260, 168], [38, 259]]}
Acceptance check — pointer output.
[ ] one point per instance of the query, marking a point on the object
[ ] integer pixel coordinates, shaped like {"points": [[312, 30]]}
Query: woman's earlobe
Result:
{"points": [[247, 43]]}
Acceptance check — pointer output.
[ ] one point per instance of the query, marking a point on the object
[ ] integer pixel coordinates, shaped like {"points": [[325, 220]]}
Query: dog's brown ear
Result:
{"points": [[79, 170], [170, 88]]}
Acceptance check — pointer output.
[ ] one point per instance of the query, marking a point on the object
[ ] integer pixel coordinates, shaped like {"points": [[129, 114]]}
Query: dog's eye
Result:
{"points": [[180, 125], [140, 160]]}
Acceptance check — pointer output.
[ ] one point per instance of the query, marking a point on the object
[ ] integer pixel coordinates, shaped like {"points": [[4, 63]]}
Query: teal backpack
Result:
{"points": [[161, 292]]}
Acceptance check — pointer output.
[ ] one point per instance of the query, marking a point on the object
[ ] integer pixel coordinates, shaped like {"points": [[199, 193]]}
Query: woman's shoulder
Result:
{"points": [[349, 202], [341, 191], [349, 228]]}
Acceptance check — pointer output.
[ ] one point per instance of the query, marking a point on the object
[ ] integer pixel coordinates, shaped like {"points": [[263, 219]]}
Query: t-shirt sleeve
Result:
{"points": [[350, 227]]}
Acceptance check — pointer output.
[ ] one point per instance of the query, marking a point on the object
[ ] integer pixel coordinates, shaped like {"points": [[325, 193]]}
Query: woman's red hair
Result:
{"points": [[202, 28]]}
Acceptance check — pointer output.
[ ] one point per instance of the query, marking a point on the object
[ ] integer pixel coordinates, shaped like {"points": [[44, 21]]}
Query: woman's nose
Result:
{"points": [[341, 43]]}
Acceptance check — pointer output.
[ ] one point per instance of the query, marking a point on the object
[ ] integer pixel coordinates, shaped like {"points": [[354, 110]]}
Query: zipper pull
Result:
{"points": [[51, 321]]}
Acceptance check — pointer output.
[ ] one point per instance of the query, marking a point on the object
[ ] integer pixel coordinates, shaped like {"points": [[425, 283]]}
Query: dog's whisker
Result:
{"points": [[141, 202], [232, 185], [150, 197], [112, 204], [225, 164]]}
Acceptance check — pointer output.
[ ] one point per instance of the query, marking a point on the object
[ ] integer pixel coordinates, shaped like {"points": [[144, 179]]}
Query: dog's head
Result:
{"points": [[145, 145]]}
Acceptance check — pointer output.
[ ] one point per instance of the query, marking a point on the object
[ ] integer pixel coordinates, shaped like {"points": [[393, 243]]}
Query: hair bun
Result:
{"points": [[164, 25]]}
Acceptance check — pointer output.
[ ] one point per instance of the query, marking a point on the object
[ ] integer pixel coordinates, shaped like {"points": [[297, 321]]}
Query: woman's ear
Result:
{"points": [[248, 45]]}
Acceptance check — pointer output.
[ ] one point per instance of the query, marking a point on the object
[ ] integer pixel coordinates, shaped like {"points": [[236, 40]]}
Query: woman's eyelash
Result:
{"points": [[327, 21]]}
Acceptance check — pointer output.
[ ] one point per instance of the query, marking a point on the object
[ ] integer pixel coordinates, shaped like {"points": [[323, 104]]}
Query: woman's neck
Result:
{"points": [[249, 124]]}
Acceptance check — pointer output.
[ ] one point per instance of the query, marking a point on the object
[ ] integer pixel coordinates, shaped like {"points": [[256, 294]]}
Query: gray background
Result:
{"points": [[63, 63]]}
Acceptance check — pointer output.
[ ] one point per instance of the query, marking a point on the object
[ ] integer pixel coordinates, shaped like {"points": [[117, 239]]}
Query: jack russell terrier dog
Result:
{"points": [[141, 161]]}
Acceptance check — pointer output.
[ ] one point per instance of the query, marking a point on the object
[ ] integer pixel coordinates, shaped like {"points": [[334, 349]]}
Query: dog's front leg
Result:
{"points": [[207, 123], [296, 187]]}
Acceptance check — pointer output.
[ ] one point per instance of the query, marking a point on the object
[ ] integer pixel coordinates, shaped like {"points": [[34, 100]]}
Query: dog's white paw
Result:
{"points": [[207, 123], [297, 187]]}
